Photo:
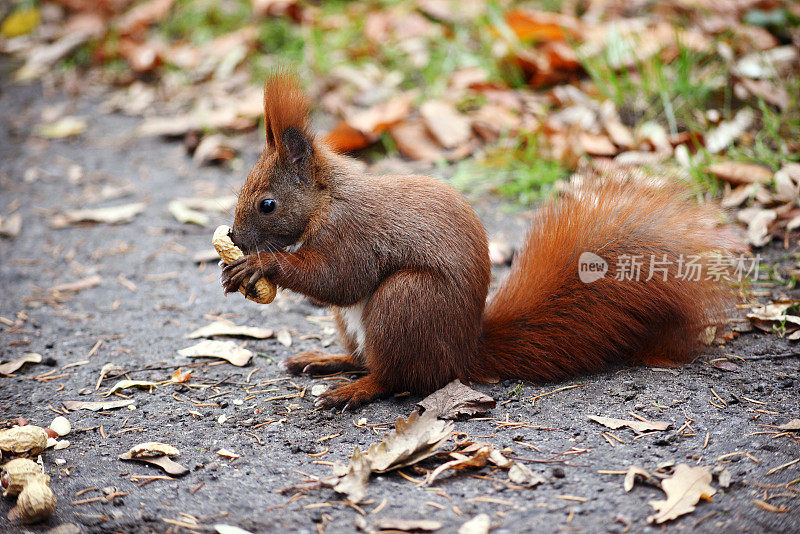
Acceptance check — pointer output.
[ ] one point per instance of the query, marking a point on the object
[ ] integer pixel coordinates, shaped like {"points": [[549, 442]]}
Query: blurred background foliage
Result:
{"points": [[506, 97]]}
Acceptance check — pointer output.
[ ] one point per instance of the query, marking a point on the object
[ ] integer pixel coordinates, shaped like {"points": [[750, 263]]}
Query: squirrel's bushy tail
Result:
{"points": [[546, 323]]}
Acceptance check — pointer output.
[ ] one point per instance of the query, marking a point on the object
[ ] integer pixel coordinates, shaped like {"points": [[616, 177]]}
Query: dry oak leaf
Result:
{"points": [[530, 25], [638, 426], [158, 454], [227, 328], [96, 406], [633, 472], [462, 461], [415, 142], [227, 350], [456, 400], [728, 132], [520, 473], [413, 440], [684, 489], [758, 221], [112, 215], [737, 172], [353, 482], [793, 425], [445, 123], [408, 525], [138, 18], [125, 384], [186, 215], [362, 128], [765, 316], [14, 365]]}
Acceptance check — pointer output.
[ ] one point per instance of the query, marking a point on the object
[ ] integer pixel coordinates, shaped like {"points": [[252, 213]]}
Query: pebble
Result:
{"points": [[319, 389], [61, 425]]}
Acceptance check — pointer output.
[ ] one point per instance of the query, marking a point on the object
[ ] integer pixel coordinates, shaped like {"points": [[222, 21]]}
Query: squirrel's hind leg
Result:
{"points": [[321, 363]]}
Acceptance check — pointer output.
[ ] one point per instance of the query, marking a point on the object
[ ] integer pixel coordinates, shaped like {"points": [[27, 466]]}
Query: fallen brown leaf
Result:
{"points": [[521, 474], [363, 127], [769, 64], [157, 454], [184, 214], [141, 56], [596, 145], [14, 365], [227, 328], [125, 384], [112, 215], [456, 400], [408, 525], [638, 426], [415, 142], [644, 474], [214, 149], [793, 425], [96, 405], [531, 25], [758, 221], [445, 123], [727, 132], [413, 440], [227, 350], [138, 18], [684, 489], [478, 459], [738, 172], [772, 93]]}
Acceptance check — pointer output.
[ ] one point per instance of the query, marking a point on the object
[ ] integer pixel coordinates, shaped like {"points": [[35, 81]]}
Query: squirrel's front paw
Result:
{"points": [[241, 271]]}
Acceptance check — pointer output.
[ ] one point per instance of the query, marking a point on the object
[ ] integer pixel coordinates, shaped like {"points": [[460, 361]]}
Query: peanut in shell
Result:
{"points": [[28, 440], [16, 474], [37, 501], [265, 290]]}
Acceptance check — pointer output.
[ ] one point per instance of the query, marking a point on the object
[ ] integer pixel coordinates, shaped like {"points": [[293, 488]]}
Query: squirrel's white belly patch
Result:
{"points": [[353, 317]]}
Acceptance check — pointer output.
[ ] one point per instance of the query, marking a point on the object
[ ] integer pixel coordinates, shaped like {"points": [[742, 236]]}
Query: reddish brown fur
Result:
{"points": [[408, 256], [285, 105], [544, 323]]}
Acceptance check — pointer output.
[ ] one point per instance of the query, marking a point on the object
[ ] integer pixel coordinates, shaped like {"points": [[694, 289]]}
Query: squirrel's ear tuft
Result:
{"points": [[285, 109]]}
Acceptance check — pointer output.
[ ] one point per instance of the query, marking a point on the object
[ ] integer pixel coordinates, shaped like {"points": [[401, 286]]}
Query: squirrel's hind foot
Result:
{"points": [[321, 363]]}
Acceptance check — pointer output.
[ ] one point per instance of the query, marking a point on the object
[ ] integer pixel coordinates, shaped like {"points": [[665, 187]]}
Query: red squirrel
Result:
{"points": [[403, 261]]}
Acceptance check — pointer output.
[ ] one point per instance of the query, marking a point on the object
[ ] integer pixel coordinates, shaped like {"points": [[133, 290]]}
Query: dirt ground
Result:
{"points": [[152, 294]]}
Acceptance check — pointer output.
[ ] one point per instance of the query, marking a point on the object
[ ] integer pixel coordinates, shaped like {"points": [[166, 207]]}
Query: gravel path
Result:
{"points": [[152, 293]]}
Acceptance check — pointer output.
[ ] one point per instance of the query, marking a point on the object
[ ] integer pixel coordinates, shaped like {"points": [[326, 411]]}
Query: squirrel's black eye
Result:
{"points": [[267, 205]]}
